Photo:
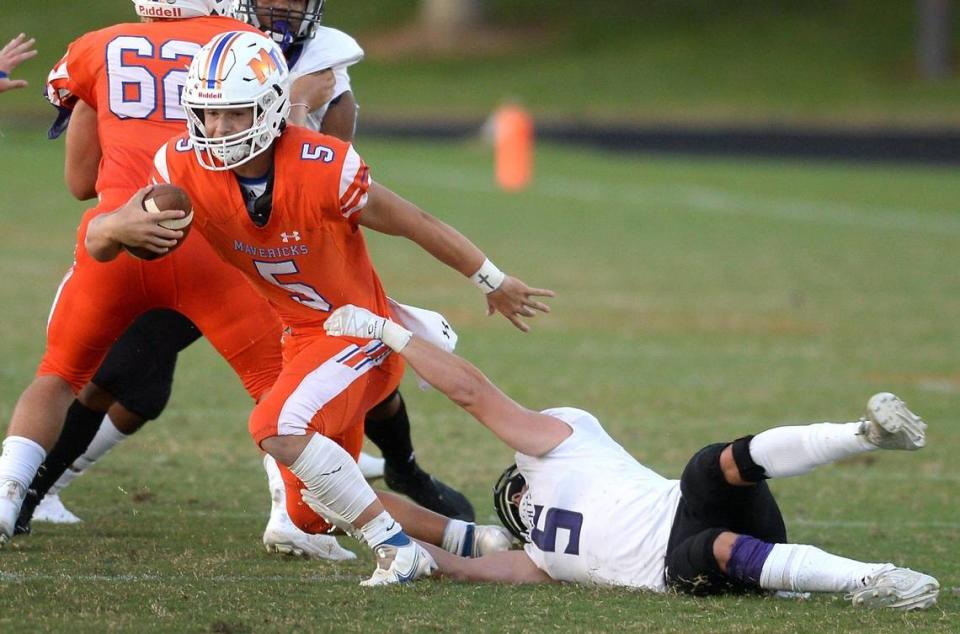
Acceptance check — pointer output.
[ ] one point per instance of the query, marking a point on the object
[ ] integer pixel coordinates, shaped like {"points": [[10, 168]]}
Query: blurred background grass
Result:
{"points": [[692, 61]]}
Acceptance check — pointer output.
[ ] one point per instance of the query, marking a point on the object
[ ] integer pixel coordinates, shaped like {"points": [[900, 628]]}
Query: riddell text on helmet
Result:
{"points": [[160, 12]]}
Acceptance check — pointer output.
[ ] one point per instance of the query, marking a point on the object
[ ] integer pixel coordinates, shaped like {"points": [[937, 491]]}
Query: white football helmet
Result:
{"points": [[236, 70], [178, 9], [286, 25]]}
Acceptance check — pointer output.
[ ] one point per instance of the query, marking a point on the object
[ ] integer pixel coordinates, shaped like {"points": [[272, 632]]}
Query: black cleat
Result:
{"points": [[30, 503], [429, 492]]}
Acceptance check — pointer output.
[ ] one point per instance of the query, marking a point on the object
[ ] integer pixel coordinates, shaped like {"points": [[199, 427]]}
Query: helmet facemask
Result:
{"points": [[512, 503], [286, 26], [235, 149]]}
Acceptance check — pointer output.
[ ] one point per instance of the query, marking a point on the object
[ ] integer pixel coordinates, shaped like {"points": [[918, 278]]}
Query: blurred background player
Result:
{"points": [[588, 512], [134, 382], [17, 50], [292, 181]]}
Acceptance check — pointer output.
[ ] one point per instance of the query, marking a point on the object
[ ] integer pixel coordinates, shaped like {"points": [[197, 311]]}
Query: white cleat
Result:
{"points": [[370, 467], [890, 425], [52, 510], [488, 539], [899, 588], [400, 564], [284, 537], [11, 497]]}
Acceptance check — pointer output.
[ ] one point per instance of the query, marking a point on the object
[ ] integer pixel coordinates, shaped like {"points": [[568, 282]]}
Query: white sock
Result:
{"points": [[791, 451], [278, 492], [458, 538], [331, 474], [803, 568], [383, 528], [106, 438], [20, 459], [63, 481]]}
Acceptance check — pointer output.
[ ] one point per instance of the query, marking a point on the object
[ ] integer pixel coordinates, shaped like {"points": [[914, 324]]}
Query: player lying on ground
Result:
{"points": [[589, 512], [133, 384], [299, 243]]}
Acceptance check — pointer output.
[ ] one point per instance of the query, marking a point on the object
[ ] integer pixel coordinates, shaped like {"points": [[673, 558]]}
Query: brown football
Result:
{"points": [[161, 198]]}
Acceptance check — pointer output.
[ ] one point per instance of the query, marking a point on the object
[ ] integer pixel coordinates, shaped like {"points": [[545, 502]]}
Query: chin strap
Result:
{"points": [[282, 34]]}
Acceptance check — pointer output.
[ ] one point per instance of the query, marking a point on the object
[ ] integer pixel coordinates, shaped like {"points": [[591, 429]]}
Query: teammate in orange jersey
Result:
{"points": [[127, 79], [285, 207]]}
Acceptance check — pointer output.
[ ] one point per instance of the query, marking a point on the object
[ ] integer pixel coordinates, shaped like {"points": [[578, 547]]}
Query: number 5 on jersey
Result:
{"points": [[300, 293]]}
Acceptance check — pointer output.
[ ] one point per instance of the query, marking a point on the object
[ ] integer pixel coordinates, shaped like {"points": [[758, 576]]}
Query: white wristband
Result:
{"points": [[395, 336], [488, 278]]}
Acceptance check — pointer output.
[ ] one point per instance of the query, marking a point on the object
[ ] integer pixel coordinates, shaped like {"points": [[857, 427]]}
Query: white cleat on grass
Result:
{"points": [[11, 497], [52, 510], [890, 425], [284, 537], [898, 588], [489, 539], [400, 564]]}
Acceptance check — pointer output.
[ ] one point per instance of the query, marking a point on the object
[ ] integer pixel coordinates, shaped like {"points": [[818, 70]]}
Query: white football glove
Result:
{"points": [[353, 321]]}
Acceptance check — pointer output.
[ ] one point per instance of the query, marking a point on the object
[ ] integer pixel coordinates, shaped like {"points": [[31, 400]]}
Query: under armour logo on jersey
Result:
{"points": [[310, 152], [293, 235], [446, 329]]}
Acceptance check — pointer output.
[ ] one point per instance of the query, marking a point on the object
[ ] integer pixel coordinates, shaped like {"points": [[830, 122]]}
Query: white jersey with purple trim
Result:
{"points": [[599, 516], [328, 48]]}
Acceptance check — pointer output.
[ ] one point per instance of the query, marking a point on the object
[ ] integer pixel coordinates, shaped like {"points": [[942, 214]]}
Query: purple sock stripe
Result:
{"points": [[747, 559]]}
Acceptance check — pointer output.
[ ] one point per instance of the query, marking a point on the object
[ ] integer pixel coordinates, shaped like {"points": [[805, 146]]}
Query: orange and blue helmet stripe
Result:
{"points": [[218, 55]]}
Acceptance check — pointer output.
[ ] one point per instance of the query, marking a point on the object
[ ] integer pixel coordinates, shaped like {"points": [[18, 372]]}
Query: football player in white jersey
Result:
{"points": [[588, 512]]}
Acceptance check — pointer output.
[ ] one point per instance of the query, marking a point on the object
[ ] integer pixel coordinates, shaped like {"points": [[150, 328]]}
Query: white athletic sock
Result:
{"points": [[383, 528], [803, 568], [106, 438], [63, 481], [20, 459], [791, 451], [278, 493], [458, 538], [332, 475]]}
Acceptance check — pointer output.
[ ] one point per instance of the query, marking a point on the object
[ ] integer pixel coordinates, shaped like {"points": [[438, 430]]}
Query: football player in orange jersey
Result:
{"points": [[126, 80], [135, 378], [285, 207]]}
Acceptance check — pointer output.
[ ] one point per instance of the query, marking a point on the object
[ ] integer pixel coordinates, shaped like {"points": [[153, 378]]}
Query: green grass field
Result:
{"points": [[698, 300], [685, 61]]}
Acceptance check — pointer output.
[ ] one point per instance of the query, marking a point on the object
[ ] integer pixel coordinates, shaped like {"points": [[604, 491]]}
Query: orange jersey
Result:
{"points": [[132, 75], [310, 257]]}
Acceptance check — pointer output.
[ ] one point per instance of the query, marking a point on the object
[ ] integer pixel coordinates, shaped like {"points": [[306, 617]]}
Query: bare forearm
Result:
{"points": [[512, 566], [340, 120], [393, 215], [522, 430], [98, 241], [82, 155]]}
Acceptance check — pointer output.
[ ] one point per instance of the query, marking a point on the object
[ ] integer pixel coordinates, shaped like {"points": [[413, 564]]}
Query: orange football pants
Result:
{"points": [[327, 385], [97, 301]]}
